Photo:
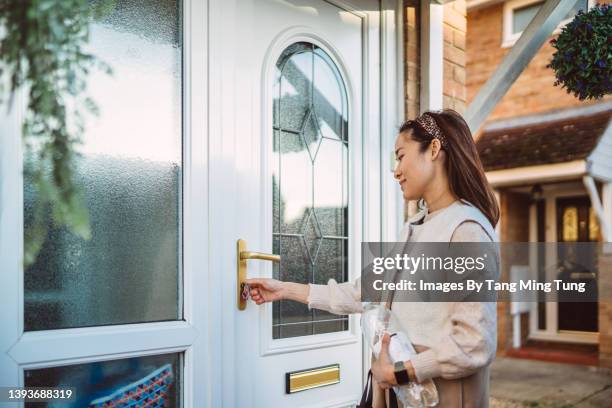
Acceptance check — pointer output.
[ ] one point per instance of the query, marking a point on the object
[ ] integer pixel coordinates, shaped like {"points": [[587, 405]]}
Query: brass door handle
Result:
{"points": [[259, 255], [242, 256]]}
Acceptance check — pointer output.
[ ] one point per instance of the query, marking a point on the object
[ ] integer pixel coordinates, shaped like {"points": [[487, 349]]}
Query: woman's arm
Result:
{"points": [[469, 346], [269, 290], [383, 369], [339, 298]]}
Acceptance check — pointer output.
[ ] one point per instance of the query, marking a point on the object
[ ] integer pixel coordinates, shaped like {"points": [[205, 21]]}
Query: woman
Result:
{"points": [[437, 162]]}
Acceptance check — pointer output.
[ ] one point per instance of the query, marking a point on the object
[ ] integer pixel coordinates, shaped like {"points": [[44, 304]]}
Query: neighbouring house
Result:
{"points": [[549, 157]]}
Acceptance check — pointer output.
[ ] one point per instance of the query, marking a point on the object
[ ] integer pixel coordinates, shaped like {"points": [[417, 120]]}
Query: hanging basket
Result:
{"points": [[583, 58]]}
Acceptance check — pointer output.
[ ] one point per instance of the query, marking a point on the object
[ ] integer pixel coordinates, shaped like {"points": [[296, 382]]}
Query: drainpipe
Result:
{"points": [[602, 215]]}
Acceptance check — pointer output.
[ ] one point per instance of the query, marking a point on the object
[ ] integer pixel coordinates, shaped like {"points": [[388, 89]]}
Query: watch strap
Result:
{"points": [[401, 374]]}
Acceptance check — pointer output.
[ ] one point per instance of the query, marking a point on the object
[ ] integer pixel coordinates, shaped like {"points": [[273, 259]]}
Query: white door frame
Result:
{"points": [[393, 114], [21, 351]]}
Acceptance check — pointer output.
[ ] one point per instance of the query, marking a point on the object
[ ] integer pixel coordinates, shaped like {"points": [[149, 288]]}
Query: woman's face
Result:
{"points": [[414, 170]]}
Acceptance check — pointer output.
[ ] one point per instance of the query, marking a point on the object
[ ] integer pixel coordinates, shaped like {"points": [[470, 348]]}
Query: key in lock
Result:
{"points": [[245, 291]]}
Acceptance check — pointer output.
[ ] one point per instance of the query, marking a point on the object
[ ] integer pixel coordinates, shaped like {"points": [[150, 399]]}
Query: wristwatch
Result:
{"points": [[401, 373]]}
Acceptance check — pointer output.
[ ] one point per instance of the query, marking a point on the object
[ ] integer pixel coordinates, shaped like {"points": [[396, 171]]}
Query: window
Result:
{"points": [[109, 383], [130, 172], [519, 13]]}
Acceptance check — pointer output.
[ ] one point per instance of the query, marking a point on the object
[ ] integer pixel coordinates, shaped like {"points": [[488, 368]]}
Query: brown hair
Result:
{"points": [[464, 169]]}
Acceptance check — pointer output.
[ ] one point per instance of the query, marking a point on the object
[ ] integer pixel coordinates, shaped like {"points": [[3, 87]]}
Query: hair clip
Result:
{"points": [[429, 124]]}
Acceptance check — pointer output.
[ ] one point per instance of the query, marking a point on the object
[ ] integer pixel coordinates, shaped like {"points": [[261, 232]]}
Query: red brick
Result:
{"points": [[454, 55], [459, 39], [453, 18], [447, 102], [454, 89], [605, 311], [412, 52], [448, 34], [411, 56], [412, 110], [460, 6], [459, 74], [447, 70], [412, 90]]}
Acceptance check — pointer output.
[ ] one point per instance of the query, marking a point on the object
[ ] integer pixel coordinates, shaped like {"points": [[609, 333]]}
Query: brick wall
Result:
{"points": [[533, 91], [411, 58], [605, 309], [514, 227], [412, 73], [455, 27]]}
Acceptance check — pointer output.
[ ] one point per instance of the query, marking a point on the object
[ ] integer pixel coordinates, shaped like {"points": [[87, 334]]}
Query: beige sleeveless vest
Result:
{"points": [[471, 391]]}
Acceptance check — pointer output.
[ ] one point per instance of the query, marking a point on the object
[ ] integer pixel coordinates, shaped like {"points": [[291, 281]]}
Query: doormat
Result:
{"points": [[151, 391]]}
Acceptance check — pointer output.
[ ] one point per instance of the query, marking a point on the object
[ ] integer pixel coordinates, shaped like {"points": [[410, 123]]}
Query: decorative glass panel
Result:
{"points": [[118, 383], [310, 183], [570, 224], [593, 225], [130, 173]]}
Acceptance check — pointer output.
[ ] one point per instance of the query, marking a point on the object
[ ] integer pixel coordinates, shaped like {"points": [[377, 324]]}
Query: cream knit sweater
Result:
{"points": [[460, 336]]}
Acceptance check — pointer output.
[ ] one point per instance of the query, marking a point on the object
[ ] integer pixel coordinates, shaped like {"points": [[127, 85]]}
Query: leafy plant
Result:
{"points": [[583, 57], [42, 51]]}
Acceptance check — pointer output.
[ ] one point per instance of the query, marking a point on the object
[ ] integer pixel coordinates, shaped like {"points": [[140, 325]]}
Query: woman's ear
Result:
{"points": [[436, 147]]}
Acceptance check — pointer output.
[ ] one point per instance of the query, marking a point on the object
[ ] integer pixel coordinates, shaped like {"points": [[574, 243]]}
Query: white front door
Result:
{"points": [[295, 170]]}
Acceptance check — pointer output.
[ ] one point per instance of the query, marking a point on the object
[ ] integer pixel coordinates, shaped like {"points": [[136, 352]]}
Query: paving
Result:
{"points": [[518, 383]]}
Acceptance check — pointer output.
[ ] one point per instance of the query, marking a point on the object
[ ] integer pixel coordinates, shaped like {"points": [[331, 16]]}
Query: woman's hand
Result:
{"points": [[382, 369], [268, 290], [265, 290]]}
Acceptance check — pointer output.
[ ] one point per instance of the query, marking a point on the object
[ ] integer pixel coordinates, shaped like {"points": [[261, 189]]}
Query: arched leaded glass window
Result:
{"points": [[310, 183]]}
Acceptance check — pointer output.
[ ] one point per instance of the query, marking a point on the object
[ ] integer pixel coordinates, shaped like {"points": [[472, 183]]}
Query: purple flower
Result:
{"points": [[601, 63], [589, 27]]}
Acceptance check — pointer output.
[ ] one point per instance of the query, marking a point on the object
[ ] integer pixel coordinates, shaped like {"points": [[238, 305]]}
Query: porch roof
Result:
{"points": [[559, 137]]}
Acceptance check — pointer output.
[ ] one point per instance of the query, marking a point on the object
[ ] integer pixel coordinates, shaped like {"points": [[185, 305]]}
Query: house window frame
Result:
{"points": [[508, 37]]}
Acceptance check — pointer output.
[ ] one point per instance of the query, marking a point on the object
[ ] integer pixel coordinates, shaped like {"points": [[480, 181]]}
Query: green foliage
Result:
{"points": [[42, 51], [583, 57]]}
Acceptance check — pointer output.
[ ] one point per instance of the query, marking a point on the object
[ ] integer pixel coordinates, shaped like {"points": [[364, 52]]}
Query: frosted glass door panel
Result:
{"points": [[310, 183], [130, 172]]}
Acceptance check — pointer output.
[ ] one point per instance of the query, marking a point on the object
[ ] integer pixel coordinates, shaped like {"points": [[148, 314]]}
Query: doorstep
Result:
{"points": [[568, 353]]}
